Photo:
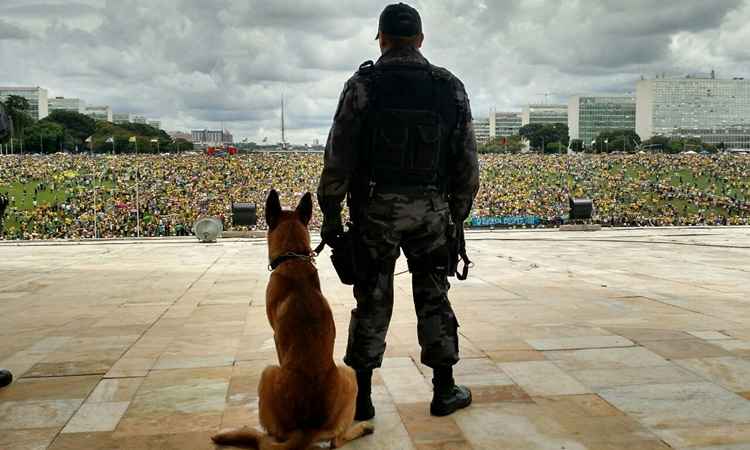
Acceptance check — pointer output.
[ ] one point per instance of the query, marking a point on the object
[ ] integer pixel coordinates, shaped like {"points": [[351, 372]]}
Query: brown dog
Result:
{"points": [[307, 399]]}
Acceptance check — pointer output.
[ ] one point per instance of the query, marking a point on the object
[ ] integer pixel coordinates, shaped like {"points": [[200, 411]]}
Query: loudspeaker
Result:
{"points": [[581, 208], [244, 214]]}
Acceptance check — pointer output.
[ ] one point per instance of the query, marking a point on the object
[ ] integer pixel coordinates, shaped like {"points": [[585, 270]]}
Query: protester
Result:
{"points": [[628, 190]]}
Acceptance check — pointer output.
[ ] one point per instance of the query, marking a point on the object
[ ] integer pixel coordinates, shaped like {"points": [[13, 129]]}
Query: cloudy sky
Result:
{"points": [[198, 63]]}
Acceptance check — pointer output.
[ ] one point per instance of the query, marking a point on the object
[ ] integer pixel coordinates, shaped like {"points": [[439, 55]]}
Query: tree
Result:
{"points": [[576, 145], [539, 135], [555, 148], [617, 140], [18, 109], [44, 137], [502, 144], [657, 143], [180, 145], [78, 127]]}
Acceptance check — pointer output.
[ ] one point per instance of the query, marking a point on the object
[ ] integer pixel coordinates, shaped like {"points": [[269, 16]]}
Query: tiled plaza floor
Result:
{"points": [[630, 339]]}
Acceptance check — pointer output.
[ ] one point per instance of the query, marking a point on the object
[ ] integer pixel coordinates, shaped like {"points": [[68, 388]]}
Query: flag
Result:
{"points": [[132, 139], [110, 140], [88, 139]]}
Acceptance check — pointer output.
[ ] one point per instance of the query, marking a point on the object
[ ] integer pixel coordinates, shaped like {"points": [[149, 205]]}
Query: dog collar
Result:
{"points": [[279, 260]]}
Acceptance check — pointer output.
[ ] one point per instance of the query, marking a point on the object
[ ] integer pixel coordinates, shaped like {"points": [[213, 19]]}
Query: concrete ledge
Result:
{"points": [[581, 227]]}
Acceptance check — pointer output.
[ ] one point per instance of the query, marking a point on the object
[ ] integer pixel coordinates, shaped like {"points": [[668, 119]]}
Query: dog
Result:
{"points": [[307, 398]]}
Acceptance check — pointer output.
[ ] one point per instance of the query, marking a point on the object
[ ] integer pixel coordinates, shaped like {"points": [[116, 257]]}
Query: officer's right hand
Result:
{"points": [[331, 230]]}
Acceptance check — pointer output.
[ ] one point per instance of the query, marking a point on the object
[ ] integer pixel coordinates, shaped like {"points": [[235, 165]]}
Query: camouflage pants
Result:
{"points": [[418, 225]]}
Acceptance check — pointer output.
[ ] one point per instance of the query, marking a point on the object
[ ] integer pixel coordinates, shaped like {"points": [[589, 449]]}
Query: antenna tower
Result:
{"points": [[283, 129]]}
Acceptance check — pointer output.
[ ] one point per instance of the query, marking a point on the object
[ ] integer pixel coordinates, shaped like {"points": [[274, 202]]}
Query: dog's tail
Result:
{"points": [[248, 437]]}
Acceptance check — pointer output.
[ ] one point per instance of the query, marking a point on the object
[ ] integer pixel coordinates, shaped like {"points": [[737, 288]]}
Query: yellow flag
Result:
{"points": [[132, 139]]}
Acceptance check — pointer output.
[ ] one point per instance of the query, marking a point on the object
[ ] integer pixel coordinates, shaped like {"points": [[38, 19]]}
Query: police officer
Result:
{"points": [[401, 151]]}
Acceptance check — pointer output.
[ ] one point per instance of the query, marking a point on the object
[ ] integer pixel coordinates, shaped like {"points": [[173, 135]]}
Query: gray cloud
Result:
{"points": [[194, 63]]}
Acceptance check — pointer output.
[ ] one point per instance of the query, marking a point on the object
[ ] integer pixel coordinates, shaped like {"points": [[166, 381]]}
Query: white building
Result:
{"points": [[36, 96], [504, 123], [544, 114], [211, 137], [155, 124], [482, 129], [120, 118], [716, 110], [99, 113], [66, 104], [140, 119], [589, 115]]}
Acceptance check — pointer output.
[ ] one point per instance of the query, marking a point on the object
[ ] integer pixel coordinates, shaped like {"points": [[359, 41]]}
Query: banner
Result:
{"points": [[505, 221]]}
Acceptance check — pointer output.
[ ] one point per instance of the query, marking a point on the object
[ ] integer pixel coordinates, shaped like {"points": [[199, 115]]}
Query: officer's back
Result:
{"points": [[402, 151]]}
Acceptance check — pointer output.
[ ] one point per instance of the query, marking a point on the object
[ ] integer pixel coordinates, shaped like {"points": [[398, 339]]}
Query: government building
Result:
{"points": [[36, 96], [589, 115], [715, 110]]}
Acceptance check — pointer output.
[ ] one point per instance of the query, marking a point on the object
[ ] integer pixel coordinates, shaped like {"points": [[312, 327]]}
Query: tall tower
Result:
{"points": [[283, 129]]}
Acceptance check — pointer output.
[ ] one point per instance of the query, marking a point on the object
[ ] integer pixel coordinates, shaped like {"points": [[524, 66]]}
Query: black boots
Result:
{"points": [[447, 397], [365, 410]]}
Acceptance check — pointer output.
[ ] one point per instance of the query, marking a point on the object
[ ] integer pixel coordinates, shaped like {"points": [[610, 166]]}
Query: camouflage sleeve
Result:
{"points": [[465, 168], [340, 158]]}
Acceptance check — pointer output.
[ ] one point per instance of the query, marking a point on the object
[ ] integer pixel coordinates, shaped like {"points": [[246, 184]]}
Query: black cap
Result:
{"points": [[401, 20]]}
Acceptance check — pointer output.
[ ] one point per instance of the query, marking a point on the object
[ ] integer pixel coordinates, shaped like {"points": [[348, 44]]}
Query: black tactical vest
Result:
{"points": [[411, 118]]}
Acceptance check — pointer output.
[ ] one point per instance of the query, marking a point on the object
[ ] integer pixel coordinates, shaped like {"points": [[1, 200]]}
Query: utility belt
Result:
{"points": [[351, 259]]}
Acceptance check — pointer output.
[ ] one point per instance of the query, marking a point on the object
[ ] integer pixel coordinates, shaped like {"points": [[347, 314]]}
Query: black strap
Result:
{"points": [[464, 273]]}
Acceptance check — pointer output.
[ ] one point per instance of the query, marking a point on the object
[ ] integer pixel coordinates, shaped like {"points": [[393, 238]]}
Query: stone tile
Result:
{"points": [[115, 390], [406, 384], [68, 368], [641, 335], [24, 415], [390, 434], [735, 346], [542, 378], [190, 362], [597, 379], [681, 405], [492, 394], [35, 439], [685, 349], [585, 405], [519, 426], [474, 372], [515, 355], [60, 388], [180, 400], [426, 429], [92, 417], [581, 342], [614, 358], [708, 437], [728, 371], [130, 367], [709, 335], [114, 441]]}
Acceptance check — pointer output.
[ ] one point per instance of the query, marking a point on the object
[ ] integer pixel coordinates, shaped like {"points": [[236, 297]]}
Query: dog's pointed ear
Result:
{"points": [[273, 208], [305, 209]]}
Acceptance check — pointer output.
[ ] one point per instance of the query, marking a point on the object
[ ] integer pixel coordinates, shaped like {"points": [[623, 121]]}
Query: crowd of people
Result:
{"points": [[80, 196]]}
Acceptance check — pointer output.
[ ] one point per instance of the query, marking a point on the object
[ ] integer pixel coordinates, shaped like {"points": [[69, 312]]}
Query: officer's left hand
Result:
{"points": [[331, 230]]}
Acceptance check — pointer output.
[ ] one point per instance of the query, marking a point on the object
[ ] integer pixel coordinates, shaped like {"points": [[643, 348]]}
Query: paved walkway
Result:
{"points": [[632, 339]]}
